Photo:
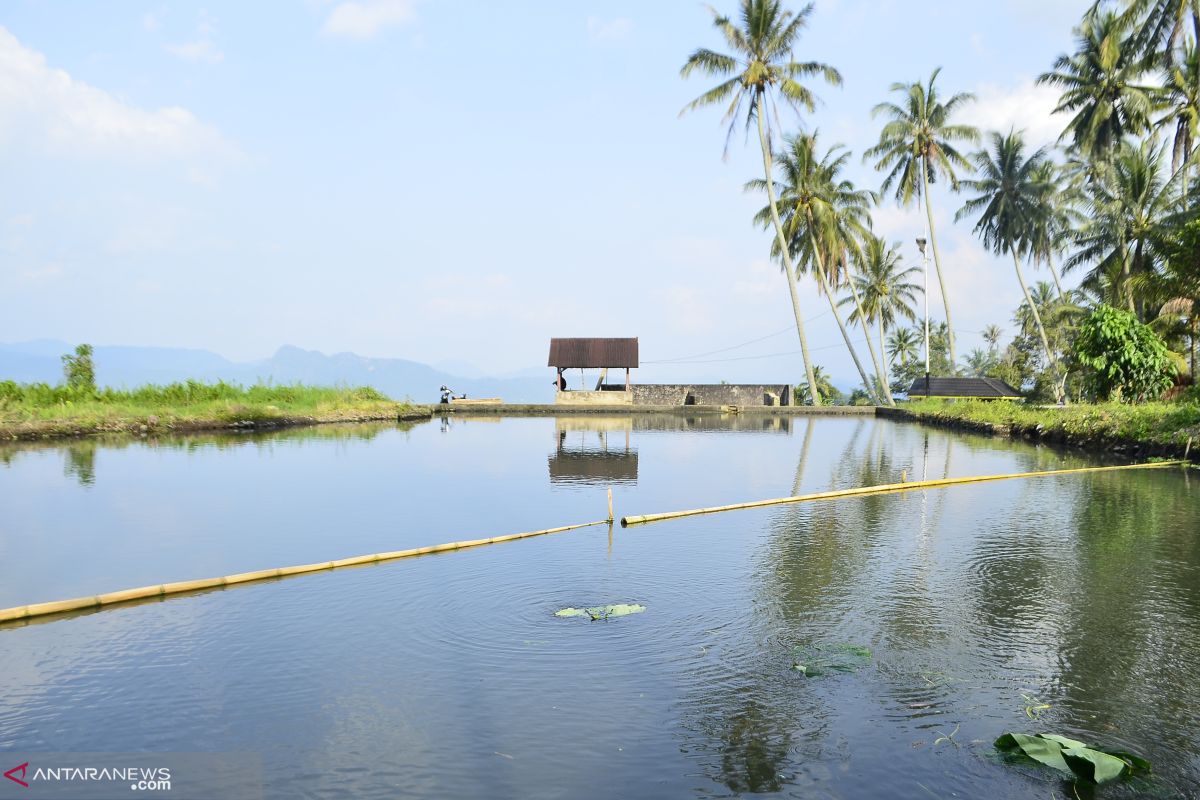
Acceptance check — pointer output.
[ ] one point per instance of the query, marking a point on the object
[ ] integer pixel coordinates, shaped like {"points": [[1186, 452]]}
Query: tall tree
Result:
{"points": [[991, 335], [903, 345], [1101, 83], [761, 68], [917, 145], [824, 218], [888, 290], [1158, 26], [1007, 203], [1181, 106], [1129, 216], [1053, 226]]}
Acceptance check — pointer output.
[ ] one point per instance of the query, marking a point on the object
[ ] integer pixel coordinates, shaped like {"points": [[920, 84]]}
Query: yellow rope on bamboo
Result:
{"points": [[18, 613], [886, 488]]}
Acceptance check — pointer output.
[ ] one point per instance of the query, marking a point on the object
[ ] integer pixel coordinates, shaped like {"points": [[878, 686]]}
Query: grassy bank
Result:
{"points": [[37, 410], [1146, 428]]}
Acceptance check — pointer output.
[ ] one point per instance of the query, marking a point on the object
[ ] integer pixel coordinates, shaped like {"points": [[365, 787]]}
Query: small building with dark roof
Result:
{"points": [[974, 388], [593, 353]]}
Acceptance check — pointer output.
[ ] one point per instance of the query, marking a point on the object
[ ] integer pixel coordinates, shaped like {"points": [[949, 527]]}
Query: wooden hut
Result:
{"points": [[598, 354]]}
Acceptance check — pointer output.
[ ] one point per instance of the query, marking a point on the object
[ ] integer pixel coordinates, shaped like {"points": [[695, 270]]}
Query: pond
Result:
{"points": [[1068, 605]]}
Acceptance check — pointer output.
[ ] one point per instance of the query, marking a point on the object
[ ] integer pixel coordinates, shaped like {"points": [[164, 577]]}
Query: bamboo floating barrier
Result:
{"points": [[19, 613], [886, 488]]}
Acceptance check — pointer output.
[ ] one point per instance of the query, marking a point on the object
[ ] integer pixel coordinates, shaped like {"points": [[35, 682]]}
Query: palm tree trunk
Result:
{"points": [[824, 284], [937, 265], [768, 168], [1054, 274], [1037, 318], [887, 375], [885, 387]]}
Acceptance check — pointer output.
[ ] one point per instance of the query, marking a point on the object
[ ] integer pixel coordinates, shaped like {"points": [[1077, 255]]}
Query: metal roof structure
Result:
{"points": [[593, 353], [984, 388]]}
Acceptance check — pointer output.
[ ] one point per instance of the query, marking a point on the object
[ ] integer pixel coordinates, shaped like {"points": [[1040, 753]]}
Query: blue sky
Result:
{"points": [[451, 181]]}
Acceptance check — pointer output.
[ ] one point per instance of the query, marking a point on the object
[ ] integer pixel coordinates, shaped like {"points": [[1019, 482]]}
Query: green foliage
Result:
{"points": [[1095, 765], [1123, 357], [830, 395], [79, 370], [1160, 423], [39, 408], [904, 373]]}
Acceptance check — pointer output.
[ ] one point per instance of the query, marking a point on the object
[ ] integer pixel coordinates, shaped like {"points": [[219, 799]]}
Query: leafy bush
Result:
{"points": [[1124, 359]]}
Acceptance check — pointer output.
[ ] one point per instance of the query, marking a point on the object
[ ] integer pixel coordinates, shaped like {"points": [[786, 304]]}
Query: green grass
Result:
{"points": [[40, 409], [1158, 423]]}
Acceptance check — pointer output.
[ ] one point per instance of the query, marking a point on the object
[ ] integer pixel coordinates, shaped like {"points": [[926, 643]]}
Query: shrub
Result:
{"points": [[1124, 359]]}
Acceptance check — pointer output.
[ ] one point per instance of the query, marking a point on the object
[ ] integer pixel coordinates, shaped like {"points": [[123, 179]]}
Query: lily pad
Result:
{"points": [[817, 660], [602, 612], [1071, 756]]}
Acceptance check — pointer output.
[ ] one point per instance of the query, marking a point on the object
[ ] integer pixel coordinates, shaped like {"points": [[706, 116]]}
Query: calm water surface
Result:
{"points": [[1067, 605]]}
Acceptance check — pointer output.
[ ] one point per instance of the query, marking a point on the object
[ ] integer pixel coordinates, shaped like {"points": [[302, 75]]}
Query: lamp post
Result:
{"points": [[921, 242]]}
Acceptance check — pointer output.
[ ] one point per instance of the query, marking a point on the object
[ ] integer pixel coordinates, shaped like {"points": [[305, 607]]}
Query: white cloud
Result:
{"points": [[201, 50], [363, 19], [1027, 106], [46, 109], [600, 30]]}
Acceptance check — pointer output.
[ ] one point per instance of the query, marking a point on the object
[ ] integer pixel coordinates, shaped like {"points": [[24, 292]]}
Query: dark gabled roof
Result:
{"points": [[593, 353], [962, 387]]}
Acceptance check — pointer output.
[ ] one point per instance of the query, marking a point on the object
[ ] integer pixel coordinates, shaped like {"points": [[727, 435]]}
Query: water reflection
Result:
{"points": [[593, 451], [80, 462], [1080, 593]]}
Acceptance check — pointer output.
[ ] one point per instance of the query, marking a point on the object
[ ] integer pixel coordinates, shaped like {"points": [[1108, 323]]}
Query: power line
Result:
{"points": [[753, 358], [779, 332]]}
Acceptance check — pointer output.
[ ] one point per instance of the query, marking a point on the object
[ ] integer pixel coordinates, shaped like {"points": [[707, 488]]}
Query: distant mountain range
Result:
{"points": [[119, 366]]}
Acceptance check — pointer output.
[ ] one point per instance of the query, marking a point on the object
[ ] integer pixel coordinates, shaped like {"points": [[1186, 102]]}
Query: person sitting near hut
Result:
{"points": [[561, 382]]}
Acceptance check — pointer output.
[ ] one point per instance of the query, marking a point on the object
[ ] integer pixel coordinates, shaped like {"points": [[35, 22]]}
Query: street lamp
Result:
{"points": [[921, 242]]}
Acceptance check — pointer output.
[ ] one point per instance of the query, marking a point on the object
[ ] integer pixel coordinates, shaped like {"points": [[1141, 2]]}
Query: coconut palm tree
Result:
{"points": [[1056, 219], [991, 335], [824, 218], [1129, 216], [1101, 85], [1181, 103], [1007, 203], [903, 345], [917, 145], [888, 291], [1157, 26], [979, 363], [761, 69]]}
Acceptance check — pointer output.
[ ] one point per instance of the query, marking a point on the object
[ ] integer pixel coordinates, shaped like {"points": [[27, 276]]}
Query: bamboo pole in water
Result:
{"points": [[18, 613], [886, 488]]}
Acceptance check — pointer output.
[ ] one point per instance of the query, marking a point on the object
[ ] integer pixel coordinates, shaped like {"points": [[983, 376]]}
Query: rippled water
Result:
{"points": [[1067, 605]]}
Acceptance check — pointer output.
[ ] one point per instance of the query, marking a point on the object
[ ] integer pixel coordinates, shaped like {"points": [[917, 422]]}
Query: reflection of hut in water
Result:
{"points": [[593, 451]]}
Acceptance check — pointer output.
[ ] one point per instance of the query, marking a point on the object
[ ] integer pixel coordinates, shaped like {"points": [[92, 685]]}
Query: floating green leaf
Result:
{"points": [[1072, 756], [1043, 751], [817, 660], [602, 612]]}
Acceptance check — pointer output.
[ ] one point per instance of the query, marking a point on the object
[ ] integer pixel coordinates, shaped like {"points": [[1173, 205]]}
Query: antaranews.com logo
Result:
{"points": [[138, 778], [115, 776]]}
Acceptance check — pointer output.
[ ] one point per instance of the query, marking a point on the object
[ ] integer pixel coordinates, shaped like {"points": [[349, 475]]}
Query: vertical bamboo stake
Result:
{"points": [[1186, 450], [610, 510]]}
